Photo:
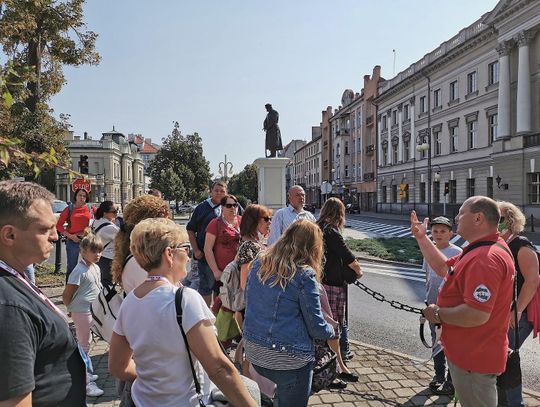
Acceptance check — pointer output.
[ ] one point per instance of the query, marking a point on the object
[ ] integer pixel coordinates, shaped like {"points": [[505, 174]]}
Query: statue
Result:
{"points": [[273, 135]]}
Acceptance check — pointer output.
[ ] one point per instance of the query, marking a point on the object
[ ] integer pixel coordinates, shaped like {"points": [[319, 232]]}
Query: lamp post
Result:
{"points": [[225, 168], [424, 144]]}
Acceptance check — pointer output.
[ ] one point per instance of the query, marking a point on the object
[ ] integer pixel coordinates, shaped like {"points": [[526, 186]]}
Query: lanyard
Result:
{"points": [[159, 278], [230, 225], [34, 289]]}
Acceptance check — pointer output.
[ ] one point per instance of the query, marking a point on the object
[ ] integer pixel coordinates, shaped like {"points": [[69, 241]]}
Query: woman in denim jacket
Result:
{"points": [[283, 312]]}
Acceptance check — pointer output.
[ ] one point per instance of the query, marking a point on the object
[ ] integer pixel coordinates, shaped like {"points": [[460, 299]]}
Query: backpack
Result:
{"points": [[105, 308], [96, 230], [230, 293]]}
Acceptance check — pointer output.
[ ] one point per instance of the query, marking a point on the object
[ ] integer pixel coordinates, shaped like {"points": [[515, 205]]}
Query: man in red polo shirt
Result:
{"points": [[474, 301]]}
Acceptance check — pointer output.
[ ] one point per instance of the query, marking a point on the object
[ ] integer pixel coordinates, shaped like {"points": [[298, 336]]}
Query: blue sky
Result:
{"points": [[211, 65]]}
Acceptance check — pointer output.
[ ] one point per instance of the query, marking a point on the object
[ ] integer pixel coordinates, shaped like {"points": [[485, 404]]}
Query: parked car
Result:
{"points": [[352, 208], [57, 207]]}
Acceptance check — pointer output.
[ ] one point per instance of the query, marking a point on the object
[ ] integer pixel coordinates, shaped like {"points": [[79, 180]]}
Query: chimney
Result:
{"points": [[85, 135]]}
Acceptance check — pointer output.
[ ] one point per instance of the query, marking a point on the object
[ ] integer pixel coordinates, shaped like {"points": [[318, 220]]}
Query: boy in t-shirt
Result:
{"points": [[441, 233]]}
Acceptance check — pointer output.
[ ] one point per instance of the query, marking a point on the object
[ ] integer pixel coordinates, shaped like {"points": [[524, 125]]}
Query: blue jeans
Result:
{"points": [[293, 386], [206, 278], [514, 397], [72, 253]]}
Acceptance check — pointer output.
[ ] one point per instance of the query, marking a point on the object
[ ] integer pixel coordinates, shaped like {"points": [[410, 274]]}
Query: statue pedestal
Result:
{"points": [[271, 181]]}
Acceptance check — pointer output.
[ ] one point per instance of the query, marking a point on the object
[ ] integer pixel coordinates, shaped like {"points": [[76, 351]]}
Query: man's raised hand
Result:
{"points": [[418, 229]]}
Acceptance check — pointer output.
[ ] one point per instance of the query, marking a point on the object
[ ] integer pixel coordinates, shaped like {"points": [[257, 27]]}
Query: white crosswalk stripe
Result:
{"points": [[386, 230], [413, 273]]}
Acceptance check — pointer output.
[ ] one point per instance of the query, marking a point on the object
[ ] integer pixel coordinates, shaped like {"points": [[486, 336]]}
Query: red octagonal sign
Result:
{"points": [[81, 183]]}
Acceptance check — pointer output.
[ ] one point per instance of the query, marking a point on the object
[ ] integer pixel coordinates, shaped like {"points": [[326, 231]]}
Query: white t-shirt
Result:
{"points": [[163, 371], [133, 275], [107, 235]]}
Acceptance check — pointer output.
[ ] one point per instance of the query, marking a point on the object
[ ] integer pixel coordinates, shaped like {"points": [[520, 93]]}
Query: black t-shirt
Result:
{"points": [[38, 353], [515, 245]]}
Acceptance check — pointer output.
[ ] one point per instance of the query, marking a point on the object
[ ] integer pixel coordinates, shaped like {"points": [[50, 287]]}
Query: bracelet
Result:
{"points": [[437, 316]]}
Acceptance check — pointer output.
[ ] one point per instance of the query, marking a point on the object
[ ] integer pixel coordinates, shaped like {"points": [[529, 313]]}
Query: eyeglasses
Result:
{"points": [[113, 211], [267, 218], [186, 247], [230, 205]]}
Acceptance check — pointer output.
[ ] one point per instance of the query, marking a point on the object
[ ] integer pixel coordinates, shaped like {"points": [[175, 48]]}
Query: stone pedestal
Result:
{"points": [[271, 181]]}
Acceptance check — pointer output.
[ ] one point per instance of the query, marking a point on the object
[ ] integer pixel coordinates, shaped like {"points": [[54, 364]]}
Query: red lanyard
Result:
{"points": [[34, 289]]}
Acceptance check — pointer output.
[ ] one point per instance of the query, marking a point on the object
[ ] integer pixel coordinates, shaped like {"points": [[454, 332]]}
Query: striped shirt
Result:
{"points": [[283, 218], [274, 359]]}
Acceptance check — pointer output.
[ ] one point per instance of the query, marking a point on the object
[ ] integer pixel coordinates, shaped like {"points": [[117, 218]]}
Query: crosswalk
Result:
{"points": [[413, 273], [387, 230]]}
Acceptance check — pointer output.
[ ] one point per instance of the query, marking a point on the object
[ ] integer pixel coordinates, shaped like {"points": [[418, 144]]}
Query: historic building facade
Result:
{"points": [[461, 121], [115, 168], [308, 169]]}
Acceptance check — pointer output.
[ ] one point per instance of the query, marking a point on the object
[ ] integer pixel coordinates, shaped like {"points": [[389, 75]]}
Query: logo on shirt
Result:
{"points": [[482, 293]]}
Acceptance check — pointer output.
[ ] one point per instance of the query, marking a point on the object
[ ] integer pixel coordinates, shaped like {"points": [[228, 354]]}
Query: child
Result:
{"points": [[441, 233], [81, 290]]}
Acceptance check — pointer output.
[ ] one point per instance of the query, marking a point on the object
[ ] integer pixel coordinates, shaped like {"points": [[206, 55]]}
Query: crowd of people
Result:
{"points": [[293, 271]]}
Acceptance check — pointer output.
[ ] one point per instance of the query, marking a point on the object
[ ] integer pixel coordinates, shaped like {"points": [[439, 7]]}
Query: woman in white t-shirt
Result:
{"points": [[147, 345]]}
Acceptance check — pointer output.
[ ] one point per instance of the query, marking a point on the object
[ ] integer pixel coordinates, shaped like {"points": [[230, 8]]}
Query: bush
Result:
{"points": [[403, 249]]}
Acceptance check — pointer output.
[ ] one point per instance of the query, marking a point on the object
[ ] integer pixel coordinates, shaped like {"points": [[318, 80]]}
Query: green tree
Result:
{"points": [[179, 169], [38, 38], [245, 183]]}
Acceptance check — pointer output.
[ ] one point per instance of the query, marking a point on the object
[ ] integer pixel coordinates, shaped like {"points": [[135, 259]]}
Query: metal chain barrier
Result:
{"points": [[380, 297]]}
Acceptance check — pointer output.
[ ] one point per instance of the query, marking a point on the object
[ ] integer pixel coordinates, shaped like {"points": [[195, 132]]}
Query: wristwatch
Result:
{"points": [[437, 316]]}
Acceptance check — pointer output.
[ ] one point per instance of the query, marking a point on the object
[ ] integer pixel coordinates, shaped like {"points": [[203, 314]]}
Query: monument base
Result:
{"points": [[271, 181]]}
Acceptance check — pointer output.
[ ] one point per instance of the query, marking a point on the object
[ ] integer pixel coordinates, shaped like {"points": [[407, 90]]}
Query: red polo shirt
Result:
{"points": [[482, 279]]}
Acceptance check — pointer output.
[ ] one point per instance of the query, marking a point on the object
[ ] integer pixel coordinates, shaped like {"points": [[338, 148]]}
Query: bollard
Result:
{"points": [[532, 222], [58, 260]]}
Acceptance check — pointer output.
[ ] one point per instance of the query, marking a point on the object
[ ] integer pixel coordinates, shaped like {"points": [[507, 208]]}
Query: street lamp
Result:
{"points": [[423, 142], [225, 168]]}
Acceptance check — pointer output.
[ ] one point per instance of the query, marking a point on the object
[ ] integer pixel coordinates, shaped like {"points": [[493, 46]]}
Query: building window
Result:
{"points": [[489, 183], [394, 193], [395, 152], [385, 155], [470, 187], [453, 91], [493, 73], [346, 147], [436, 192], [472, 82], [383, 193], [437, 98], [492, 132], [394, 117], [346, 171], [423, 107], [384, 123], [454, 139], [437, 142], [422, 192], [406, 150], [452, 193], [406, 112], [471, 134], [534, 188]]}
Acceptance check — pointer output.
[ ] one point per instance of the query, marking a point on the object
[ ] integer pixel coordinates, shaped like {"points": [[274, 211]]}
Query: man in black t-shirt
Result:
{"points": [[40, 362]]}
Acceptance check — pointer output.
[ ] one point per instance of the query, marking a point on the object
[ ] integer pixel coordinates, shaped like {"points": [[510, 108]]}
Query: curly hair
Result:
{"points": [[143, 207], [513, 217]]}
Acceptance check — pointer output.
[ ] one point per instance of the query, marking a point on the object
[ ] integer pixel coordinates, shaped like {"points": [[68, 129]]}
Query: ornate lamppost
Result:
{"points": [[225, 168]]}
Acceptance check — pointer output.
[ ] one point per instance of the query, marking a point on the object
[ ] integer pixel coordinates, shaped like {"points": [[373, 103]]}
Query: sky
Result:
{"points": [[212, 65]]}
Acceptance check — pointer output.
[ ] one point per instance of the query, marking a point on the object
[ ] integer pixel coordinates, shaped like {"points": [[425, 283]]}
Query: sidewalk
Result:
{"points": [[387, 378]]}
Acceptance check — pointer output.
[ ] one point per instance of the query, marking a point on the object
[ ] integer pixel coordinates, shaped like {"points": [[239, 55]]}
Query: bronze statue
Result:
{"points": [[273, 135]]}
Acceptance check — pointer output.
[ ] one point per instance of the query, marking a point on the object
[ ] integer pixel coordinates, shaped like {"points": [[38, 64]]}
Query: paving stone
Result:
{"points": [[331, 398]]}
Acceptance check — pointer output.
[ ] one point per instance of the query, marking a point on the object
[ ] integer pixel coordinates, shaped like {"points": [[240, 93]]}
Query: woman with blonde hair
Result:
{"points": [[511, 224], [340, 261], [125, 269], [283, 312], [162, 374]]}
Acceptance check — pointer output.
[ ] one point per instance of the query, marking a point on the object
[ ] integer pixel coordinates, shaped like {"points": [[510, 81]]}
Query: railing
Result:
{"points": [[369, 176], [531, 140]]}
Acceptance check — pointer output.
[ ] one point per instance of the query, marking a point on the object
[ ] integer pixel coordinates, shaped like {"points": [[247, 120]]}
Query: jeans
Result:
{"points": [[439, 360], [105, 265], [72, 252], [344, 334], [514, 397], [206, 278], [293, 386]]}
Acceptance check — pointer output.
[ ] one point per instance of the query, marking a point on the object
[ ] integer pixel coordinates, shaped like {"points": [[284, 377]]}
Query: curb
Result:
{"points": [[529, 392], [379, 260]]}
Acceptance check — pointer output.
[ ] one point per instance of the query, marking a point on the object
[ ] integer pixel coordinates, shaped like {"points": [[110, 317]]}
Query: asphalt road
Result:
{"points": [[379, 324]]}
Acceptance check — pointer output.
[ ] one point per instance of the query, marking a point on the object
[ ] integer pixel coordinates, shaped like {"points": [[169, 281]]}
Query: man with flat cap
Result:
{"points": [[273, 134]]}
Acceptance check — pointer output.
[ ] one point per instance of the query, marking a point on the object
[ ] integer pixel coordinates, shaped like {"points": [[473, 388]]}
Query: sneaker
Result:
{"points": [[92, 390], [91, 377], [436, 383], [447, 389]]}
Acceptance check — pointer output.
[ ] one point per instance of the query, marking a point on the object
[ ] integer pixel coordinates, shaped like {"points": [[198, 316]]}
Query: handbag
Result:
{"points": [[325, 368], [511, 377], [217, 398]]}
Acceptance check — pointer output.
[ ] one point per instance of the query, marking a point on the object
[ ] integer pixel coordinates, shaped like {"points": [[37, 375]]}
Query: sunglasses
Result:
{"points": [[186, 247], [267, 218], [113, 211], [230, 205]]}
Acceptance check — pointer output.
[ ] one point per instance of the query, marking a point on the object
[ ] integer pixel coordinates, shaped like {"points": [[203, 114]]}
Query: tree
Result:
{"points": [[179, 169], [38, 38], [245, 183]]}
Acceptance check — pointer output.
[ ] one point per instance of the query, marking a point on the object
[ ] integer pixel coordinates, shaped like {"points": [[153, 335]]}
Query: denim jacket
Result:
{"points": [[287, 319]]}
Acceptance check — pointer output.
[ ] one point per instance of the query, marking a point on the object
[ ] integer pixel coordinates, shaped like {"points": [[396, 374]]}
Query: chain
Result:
{"points": [[380, 297]]}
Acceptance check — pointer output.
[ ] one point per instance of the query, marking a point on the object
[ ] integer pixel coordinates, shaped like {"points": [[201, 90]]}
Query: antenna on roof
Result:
{"points": [[394, 66]]}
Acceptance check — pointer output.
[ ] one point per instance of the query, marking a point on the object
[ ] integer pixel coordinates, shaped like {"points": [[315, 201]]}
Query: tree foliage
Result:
{"points": [[38, 38], [245, 183], [179, 169]]}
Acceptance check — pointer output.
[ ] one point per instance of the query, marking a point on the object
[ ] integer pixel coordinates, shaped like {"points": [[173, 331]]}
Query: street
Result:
{"points": [[381, 325]]}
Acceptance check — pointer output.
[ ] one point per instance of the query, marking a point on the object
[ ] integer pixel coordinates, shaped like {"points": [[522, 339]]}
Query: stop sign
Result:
{"points": [[81, 183]]}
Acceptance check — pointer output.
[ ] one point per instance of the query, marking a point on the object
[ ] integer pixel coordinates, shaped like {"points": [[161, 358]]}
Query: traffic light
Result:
{"points": [[83, 164], [446, 188], [403, 189]]}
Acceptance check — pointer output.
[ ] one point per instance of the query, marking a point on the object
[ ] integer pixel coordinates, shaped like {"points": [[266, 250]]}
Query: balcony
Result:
{"points": [[369, 176], [370, 149]]}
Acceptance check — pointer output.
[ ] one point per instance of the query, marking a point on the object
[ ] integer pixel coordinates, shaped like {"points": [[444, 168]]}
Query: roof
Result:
{"points": [[149, 147]]}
